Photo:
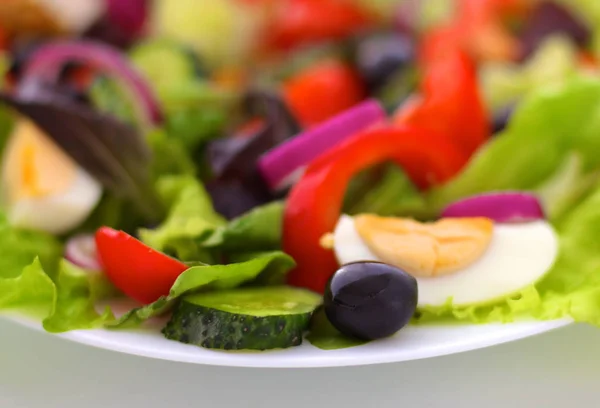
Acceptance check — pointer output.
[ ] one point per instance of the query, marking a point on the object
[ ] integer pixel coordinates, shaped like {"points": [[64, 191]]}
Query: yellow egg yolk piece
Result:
{"points": [[34, 166], [426, 249]]}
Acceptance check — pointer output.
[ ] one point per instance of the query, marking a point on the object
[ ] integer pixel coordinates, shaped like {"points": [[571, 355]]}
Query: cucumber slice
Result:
{"points": [[243, 319], [165, 62]]}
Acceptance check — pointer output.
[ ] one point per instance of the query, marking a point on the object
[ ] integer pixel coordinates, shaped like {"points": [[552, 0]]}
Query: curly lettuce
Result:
{"points": [[504, 84], [36, 281]]}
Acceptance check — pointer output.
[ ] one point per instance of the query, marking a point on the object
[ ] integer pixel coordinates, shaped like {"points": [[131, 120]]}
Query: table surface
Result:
{"points": [[556, 369]]}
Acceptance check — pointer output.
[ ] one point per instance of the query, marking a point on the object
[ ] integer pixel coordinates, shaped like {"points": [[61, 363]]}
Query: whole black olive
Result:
{"points": [[370, 300], [380, 56]]}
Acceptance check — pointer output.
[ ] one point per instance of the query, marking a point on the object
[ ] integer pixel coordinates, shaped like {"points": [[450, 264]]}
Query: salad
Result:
{"points": [[268, 172]]}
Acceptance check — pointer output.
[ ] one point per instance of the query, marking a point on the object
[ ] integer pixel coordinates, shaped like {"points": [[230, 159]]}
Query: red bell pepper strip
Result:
{"points": [[322, 91], [450, 103], [137, 270], [300, 22], [314, 204]]}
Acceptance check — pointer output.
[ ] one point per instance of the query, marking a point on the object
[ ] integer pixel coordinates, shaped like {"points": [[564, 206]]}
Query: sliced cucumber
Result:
{"points": [[165, 62], [243, 319]]}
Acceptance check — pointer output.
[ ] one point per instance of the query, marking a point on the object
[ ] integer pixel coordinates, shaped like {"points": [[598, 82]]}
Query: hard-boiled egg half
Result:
{"points": [[467, 261], [43, 188]]}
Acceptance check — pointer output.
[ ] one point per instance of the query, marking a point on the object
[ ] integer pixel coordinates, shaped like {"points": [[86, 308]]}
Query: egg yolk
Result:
{"points": [[34, 166], [426, 249]]}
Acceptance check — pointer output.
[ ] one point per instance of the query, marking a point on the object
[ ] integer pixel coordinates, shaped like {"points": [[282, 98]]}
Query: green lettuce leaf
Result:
{"points": [[21, 247], [550, 126], [194, 125], [258, 230], [66, 303], [169, 156], [76, 292], [504, 84], [35, 281], [191, 217], [208, 277]]}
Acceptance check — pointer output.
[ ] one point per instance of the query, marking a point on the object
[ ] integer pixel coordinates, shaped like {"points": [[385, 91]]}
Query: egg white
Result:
{"points": [[59, 212], [518, 255]]}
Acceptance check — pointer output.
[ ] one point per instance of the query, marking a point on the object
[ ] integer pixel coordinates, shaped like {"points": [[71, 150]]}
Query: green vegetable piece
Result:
{"points": [[164, 62], [64, 304], [191, 216], [169, 156], [259, 229], [326, 337], [504, 84], [243, 319]]}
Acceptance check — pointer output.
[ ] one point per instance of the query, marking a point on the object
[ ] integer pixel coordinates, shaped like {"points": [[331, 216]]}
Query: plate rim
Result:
{"points": [[87, 338]]}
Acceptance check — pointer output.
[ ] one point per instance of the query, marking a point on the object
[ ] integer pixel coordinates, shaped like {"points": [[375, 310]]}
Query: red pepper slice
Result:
{"points": [[133, 267], [314, 204], [299, 22], [322, 91], [451, 103]]}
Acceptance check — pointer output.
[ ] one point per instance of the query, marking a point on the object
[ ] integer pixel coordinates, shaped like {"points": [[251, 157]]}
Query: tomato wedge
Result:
{"points": [[314, 204], [137, 270]]}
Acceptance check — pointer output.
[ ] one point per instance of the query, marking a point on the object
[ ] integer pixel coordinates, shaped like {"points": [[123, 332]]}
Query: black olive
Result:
{"points": [[380, 56], [237, 186], [370, 300]]}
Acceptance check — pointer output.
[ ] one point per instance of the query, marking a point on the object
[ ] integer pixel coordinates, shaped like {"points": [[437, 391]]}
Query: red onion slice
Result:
{"points": [[48, 60], [504, 207], [281, 165], [81, 251]]}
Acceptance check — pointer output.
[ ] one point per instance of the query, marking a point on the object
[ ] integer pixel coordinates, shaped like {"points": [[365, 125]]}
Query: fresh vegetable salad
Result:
{"points": [[268, 172]]}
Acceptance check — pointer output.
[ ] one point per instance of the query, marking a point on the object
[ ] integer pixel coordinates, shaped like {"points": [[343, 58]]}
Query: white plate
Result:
{"points": [[411, 343]]}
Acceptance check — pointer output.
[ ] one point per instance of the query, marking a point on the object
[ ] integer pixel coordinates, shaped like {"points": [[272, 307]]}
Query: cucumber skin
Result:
{"points": [[215, 329]]}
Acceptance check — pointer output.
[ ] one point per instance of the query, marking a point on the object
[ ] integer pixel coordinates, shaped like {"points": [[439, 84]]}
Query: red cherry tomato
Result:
{"points": [[322, 91], [137, 270]]}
